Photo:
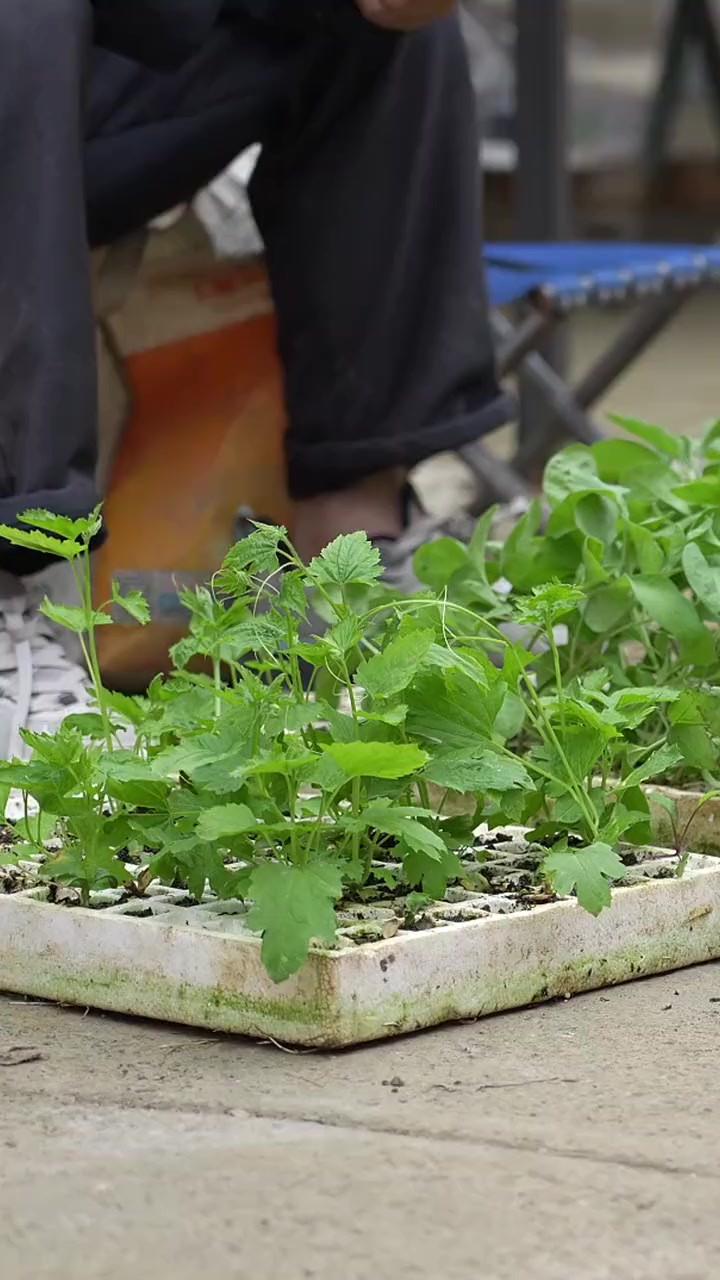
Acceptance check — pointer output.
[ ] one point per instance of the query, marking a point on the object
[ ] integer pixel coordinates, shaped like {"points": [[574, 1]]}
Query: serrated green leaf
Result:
{"points": [[376, 759], [588, 872], [393, 716], [73, 618], [36, 540], [549, 604], [405, 824], [293, 595], [480, 771], [134, 604], [343, 637], [72, 530], [254, 556], [433, 874], [293, 906], [452, 710], [656, 765], [89, 723], [225, 821], [351, 558], [388, 673], [133, 710]]}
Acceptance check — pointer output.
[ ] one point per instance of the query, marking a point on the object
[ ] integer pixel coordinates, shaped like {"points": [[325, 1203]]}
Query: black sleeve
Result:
{"points": [[160, 33], [293, 13]]}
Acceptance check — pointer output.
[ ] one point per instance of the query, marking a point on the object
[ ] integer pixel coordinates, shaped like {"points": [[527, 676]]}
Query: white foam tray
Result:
{"points": [[193, 966]]}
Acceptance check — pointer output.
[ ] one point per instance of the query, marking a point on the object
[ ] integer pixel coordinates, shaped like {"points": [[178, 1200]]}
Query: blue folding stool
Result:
{"points": [[546, 283]]}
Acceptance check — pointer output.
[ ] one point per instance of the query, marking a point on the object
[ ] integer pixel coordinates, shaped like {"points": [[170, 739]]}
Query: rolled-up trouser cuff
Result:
{"points": [[324, 467]]}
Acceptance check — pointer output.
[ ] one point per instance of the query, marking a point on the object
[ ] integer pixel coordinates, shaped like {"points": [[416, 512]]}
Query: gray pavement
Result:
{"points": [[574, 1141]]}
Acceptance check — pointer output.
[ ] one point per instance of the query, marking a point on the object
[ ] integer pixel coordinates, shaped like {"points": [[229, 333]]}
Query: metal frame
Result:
{"points": [[692, 26], [542, 180], [535, 347], [564, 409]]}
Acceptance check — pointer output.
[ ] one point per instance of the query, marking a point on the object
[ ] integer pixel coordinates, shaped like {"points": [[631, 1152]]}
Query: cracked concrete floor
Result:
{"points": [[576, 1141]]}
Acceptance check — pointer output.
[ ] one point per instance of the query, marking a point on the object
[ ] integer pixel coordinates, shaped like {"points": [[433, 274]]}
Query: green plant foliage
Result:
{"points": [[549, 678]]}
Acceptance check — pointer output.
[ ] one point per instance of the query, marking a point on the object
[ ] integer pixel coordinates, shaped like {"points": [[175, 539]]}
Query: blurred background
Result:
{"points": [[600, 121]]}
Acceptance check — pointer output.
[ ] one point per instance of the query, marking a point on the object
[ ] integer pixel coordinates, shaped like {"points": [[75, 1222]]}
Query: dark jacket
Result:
{"points": [[163, 33]]}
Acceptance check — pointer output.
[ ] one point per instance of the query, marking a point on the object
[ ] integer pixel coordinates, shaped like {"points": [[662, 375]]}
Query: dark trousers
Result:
{"points": [[367, 197]]}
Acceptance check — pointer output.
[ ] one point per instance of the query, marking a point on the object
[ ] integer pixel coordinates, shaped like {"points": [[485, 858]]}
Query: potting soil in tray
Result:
{"points": [[502, 876]]}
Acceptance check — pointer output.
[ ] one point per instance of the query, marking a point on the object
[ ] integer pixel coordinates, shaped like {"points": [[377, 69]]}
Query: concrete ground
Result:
{"points": [[575, 1141]]}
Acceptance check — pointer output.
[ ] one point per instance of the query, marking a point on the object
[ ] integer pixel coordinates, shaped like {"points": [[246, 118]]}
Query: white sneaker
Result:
{"points": [[39, 684]]}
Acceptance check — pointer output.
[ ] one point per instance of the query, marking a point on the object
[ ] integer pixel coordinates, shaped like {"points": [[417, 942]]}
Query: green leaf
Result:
{"points": [[511, 717], [588, 872], [697, 748], [711, 435], [134, 603], [390, 672], [607, 606], [293, 906], [437, 561], [570, 471], [657, 764], [351, 558], [659, 439], [35, 540], [700, 493], [133, 786], [253, 556], [62, 748], [73, 618], [343, 637], [478, 771], [86, 527], [703, 577], [667, 606], [549, 604], [293, 595], [648, 552], [89, 723], [393, 716], [597, 517], [582, 747], [631, 707], [36, 829], [477, 546], [405, 824], [615, 459], [132, 710], [431, 873], [226, 820], [453, 710], [376, 759]]}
